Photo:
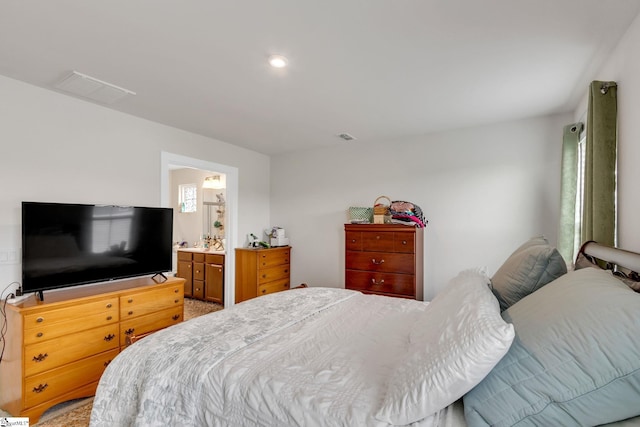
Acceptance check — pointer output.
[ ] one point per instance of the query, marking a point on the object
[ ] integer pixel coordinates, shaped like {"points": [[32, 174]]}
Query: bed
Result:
{"points": [[526, 346]]}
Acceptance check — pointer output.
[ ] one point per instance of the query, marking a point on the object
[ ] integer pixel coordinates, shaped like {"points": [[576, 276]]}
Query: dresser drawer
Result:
{"points": [[198, 271], [353, 240], [383, 262], [56, 352], [383, 283], [404, 242], [198, 257], [150, 323], [214, 259], [273, 257], [56, 315], [184, 256], [381, 241], [275, 286], [145, 302], [384, 241], [266, 275], [198, 289], [55, 323], [48, 385]]}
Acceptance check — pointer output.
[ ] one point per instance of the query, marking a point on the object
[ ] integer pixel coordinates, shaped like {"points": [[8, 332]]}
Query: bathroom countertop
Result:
{"points": [[202, 250]]}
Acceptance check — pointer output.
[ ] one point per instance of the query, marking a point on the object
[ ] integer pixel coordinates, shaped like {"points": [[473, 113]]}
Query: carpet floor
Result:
{"points": [[76, 413]]}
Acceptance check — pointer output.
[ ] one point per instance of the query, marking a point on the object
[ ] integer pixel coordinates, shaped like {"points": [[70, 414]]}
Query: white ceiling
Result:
{"points": [[380, 70]]}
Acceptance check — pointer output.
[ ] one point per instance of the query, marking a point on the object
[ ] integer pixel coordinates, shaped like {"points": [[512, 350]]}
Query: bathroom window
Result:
{"points": [[188, 197]]}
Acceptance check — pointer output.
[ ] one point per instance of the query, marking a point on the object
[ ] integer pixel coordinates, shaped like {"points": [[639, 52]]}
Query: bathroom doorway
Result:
{"points": [[206, 169]]}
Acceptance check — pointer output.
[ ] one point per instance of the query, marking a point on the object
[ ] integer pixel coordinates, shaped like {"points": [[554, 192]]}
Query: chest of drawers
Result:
{"points": [[57, 349], [384, 259], [262, 271]]}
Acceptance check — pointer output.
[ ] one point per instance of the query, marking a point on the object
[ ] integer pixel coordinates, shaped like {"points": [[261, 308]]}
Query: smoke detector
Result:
{"points": [[346, 136]]}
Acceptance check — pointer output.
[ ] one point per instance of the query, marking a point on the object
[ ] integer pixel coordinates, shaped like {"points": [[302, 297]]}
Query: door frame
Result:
{"points": [[231, 212]]}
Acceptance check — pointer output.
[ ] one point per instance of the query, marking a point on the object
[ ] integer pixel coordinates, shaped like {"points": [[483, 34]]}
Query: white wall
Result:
{"points": [[484, 191], [623, 66], [61, 149]]}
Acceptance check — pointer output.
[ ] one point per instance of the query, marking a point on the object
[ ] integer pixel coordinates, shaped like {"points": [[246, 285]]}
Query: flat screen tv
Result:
{"points": [[73, 244]]}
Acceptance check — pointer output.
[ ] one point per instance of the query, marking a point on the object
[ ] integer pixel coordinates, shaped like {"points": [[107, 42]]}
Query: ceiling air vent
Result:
{"points": [[92, 88]]}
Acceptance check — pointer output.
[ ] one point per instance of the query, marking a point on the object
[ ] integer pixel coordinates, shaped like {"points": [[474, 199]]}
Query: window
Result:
{"points": [[188, 197], [579, 207]]}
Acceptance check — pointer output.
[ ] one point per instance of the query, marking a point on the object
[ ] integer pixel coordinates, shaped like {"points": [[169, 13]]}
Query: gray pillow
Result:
{"points": [[528, 268], [574, 360]]}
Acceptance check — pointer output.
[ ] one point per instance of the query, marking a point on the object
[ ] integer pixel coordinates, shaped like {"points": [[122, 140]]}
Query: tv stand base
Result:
{"points": [[164, 278]]}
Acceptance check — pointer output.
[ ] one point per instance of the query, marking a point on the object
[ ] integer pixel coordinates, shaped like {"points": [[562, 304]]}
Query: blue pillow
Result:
{"points": [[528, 268], [575, 359]]}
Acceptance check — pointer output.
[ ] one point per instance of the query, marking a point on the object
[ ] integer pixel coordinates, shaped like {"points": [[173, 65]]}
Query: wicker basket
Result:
{"points": [[360, 215], [380, 210]]}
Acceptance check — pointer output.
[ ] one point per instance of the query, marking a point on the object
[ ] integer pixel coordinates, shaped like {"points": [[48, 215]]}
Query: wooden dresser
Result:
{"points": [[262, 271], [57, 349], [203, 273], [384, 259]]}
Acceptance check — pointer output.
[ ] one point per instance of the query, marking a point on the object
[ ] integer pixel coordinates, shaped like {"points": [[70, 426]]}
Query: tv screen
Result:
{"points": [[72, 244]]}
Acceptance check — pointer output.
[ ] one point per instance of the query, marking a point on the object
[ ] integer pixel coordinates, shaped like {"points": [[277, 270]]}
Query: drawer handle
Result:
{"points": [[376, 282], [40, 319], [39, 334], [176, 301], [175, 291], [353, 240], [264, 291], [129, 331], [189, 265], [198, 289], [109, 337], [40, 357], [109, 317], [377, 237], [373, 260], [40, 388], [175, 316], [286, 271], [130, 313], [130, 300], [264, 276], [109, 305], [197, 271], [404, 242]]}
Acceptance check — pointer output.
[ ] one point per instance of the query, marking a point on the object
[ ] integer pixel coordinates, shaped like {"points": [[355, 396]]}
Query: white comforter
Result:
{"points": [[305, 357]]}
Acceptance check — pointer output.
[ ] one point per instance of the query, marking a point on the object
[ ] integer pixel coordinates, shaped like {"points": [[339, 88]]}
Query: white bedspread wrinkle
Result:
{"points": [[305, 357]]}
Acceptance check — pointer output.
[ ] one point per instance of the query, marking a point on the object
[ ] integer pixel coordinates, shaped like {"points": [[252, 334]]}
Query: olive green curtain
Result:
{"points": [[569, 191], [599, 208]]}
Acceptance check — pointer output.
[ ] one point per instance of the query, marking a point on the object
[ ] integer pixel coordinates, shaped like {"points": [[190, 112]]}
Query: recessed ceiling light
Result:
{"points": [[278, 61]]}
